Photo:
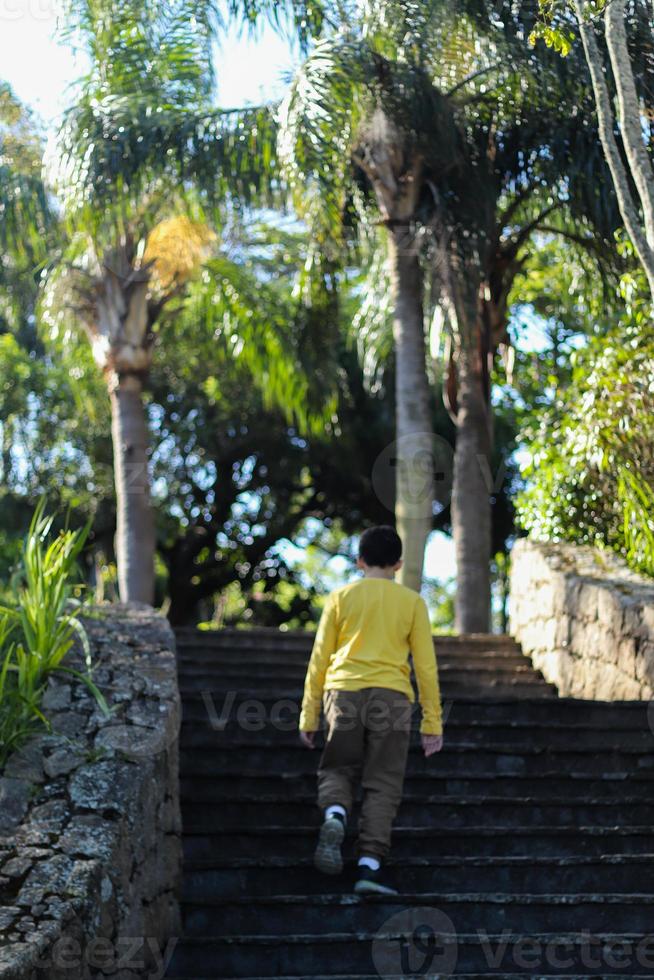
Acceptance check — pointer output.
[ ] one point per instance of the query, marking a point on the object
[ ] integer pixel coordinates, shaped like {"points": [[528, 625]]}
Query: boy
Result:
{"points": [[359, 670]]}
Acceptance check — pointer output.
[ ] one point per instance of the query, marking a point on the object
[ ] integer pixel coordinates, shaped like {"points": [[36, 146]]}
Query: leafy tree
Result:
{"points": [[236, 478], [28, 229], [140, 155], [364, 127], [493, 146], [589, 476], [626, 42], [592, 480], [527, 124], [25, 213]]}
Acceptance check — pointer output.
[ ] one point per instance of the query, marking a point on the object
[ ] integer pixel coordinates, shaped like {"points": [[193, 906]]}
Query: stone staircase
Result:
{"points": [[524, 849]]}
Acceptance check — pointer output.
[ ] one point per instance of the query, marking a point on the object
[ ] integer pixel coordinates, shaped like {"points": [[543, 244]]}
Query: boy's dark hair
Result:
{"points": [[380, 546]]}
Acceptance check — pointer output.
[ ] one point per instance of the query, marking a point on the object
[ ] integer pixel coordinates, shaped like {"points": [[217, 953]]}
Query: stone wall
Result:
{"points": [[585, 620], [90, 845]]}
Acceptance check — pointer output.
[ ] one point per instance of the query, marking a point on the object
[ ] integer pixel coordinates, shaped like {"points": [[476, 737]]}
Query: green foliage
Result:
{"points": [[554, 23], [38, 630], [553, 27], [440, 597], [143, 124], [260, 323], [591, 474], [25, 211], [261, 420], [332, 98], [583, 404]]}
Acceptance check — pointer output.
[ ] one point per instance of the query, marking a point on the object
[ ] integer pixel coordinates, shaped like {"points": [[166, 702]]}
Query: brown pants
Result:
{"points": [[367, 737]]}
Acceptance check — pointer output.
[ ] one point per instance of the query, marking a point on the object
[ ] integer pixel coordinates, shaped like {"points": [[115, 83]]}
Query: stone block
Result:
{"points": [[93, 843], [102, 786], [610, 609], [27, 762], [626, 658], [586, 602], [15, 796], [644, 662], [63, 761]]}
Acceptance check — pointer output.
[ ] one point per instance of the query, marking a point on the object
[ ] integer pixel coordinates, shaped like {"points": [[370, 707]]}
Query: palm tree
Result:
{"points": [[141, 159], [533, 167], [491, 165], [362, 128]]}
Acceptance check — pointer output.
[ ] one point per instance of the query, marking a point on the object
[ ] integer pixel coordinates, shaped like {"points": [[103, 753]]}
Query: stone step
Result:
{"points": [[484, 953], [533, 874], [200, 733], [458, 975], [497, 688], [267, 659], [445, 784], [428, 841], [274, 639], [283, 915], [214, 671], [469, 759], [238, 810], [476, 711], [534, 823]]}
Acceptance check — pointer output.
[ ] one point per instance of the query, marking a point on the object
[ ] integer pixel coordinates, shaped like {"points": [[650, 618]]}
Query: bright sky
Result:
{"points": [[40, 70]]}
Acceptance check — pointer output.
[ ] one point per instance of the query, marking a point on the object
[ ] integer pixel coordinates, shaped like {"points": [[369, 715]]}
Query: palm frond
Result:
{"points": [[253, 322], [25, 214], [144, 46], [372, 323], [318, 120], [323, 119], [302, 18], [128, 147]]}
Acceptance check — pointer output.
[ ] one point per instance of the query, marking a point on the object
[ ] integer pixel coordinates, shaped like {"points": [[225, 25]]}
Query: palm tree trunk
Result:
{"points": [[135, 535], [414, 435], [471, 517]]}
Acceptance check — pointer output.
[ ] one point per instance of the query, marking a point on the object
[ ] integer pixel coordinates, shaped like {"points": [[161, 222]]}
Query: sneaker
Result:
{"points": [[328, 858], [371, 882]]}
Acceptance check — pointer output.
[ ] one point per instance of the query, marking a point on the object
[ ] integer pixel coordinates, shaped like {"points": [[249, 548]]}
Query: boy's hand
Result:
{"points": [[307, 739], [431, 744]]}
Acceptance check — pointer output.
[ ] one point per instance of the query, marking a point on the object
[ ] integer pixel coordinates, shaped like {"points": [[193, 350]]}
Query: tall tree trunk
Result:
{"points": [[135, 534], [471, 517], [414, 435], [629, 112], [640, 171]]}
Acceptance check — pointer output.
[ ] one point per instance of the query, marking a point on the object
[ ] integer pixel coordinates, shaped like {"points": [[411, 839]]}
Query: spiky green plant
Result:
{"points": [[38, 631]]}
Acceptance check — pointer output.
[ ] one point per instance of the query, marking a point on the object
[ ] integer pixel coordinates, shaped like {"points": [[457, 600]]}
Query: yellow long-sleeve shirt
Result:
{"points": [[366, 632]]}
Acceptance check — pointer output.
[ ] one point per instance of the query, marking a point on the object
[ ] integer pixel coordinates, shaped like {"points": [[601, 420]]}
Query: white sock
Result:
{"points": [[370, 862], [335, 808]]}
